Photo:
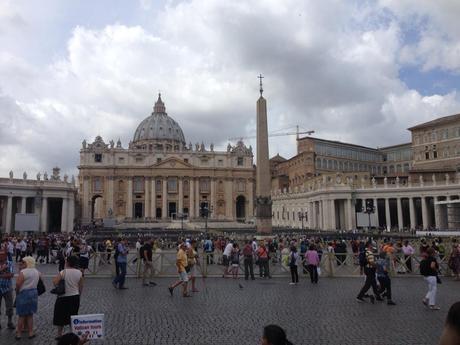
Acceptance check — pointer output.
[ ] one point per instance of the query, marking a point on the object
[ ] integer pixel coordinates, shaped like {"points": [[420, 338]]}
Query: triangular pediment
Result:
{"points": [[171, 163]]}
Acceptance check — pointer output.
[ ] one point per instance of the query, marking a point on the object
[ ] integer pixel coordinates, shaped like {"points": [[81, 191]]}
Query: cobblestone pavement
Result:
{"points": [[223, 313]]}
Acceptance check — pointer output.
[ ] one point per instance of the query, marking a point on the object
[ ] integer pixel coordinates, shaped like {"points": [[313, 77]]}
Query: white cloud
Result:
{"points": [[339, 77]]}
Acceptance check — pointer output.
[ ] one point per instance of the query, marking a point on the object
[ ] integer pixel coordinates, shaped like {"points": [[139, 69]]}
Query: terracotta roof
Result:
{"points": [[277, 158], [438, 121]]}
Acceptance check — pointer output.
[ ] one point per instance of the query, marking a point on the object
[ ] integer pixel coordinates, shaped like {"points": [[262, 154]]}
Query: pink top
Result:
{"points": [[312, 258]]}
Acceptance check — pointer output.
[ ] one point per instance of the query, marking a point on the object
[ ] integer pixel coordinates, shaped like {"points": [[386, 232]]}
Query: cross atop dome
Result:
{"points": [[159, 105]]}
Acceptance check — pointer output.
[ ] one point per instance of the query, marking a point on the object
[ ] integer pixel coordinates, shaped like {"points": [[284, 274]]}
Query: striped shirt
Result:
{"points": [[6, 284]]}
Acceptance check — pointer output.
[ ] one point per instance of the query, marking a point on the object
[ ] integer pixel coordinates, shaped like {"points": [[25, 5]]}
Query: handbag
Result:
{"points": [[41, 289], [59, 289]]}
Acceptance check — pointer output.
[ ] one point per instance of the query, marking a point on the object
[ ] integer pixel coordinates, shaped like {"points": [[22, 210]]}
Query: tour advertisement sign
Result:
{"points": [[92, 325]]}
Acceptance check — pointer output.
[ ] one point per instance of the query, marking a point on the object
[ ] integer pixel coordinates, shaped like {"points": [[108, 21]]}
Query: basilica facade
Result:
{"points": [[158, 177]]}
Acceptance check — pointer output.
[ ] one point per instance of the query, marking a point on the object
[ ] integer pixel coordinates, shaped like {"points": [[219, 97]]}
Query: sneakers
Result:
{"points": [[153, 283], [291, 283], [372, 298], [360, 299]]}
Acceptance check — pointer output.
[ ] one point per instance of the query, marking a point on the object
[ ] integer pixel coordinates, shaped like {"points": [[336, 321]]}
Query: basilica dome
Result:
{"points": [[159, 127]]}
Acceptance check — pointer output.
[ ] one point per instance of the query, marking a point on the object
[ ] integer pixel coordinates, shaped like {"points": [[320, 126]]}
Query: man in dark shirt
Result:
{"points": [[146, 252], [248, 254]]}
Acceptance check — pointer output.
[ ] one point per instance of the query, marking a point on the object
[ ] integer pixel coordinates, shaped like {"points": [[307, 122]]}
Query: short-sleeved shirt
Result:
{"points": [[6, 284], [181, 260], [382, 267], [122, 254], [72, 278]]}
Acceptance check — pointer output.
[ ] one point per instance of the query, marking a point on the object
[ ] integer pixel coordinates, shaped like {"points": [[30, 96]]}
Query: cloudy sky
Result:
{"points": [[356, 71]]}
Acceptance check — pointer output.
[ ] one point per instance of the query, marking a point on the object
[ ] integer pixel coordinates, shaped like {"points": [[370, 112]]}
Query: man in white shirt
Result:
{"points": [[226, 257]]}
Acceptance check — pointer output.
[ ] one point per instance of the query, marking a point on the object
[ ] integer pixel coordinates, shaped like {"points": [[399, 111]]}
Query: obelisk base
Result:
{"points": [[264, 225]]}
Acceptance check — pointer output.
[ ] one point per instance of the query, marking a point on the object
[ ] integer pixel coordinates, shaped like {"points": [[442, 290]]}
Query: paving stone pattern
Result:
{"points": [[223, 313]]}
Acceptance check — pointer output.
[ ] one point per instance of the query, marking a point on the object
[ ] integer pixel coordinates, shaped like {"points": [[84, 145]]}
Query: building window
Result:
{"points": [[427, 155], [186, 160], [97, 184], [204, 185], [138, 184], [158, 185], [121, 160], [435, 154], [158, 160], [98, 157], [240, 161], [241, 186], [220, 162], [172, 185]]}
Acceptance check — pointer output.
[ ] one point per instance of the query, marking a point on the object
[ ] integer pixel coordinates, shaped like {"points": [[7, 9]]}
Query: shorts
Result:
{"points": [[235, 265], [183, 276]]}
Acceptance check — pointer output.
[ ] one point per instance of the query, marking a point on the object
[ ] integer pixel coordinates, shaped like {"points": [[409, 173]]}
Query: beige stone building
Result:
{"points": [[411, 185], [50, 199], [158, 177]]}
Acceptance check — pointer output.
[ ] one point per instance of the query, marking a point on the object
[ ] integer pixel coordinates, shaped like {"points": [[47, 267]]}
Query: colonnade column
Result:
{"points": [[191, 208], [197, 197], [71, 214], [437, 213], [387, 213], [164, 198], [424, 213], [64, 223], [153, 211], [129, 199], [350, 214], [23, 204], [146, 198], [181, 196], [325, 213], [400, 214], [310, 215], [9, 210], [320, 215], [413, 222], [332, 217], [228, 199], [376, 211], [44, 215], [86, 202]]}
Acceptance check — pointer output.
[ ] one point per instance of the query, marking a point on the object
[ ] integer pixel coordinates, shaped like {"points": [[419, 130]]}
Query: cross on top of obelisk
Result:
{"points": [[261, 89]]}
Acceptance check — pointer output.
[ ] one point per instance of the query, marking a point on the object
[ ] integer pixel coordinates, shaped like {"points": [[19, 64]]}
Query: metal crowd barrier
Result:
{"points": [[210, 265]]}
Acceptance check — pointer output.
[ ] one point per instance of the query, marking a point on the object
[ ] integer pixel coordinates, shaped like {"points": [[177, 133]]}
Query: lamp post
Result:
{"points": [[181, 217], [302, 216], [369, 209], [205, 212]]}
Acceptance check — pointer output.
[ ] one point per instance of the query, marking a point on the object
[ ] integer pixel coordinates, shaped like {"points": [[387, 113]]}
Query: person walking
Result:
{"points": [[122, 262], [26, 296], [294, 259], [369, 271], [209, 251], [429, 270], [192, 261], [85, 252], [67, 304], [235, 260], [147, 255], [382, 269], [6, 286], [248, 255], [408, 251], [226, 258], [312, 259], [181, 263]]}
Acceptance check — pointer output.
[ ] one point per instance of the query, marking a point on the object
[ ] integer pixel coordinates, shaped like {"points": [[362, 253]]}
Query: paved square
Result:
{"points": [[222, 313]]}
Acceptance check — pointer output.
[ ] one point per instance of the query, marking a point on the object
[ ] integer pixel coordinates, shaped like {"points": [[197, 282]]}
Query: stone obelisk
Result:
{"points": [[263, 177]]}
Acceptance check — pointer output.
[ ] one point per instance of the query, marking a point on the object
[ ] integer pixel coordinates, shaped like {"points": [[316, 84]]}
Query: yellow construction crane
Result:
{"points": [[296, 133]]}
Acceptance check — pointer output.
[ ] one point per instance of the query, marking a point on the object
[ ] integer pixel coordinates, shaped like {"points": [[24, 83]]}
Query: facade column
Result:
{"points": [[191, 197], [310, 216], [129, 199], [64, 211], [71, 212], [164, 198], [86, 203], [44, 215], [229, 199], [332, 215], [23, 204], [109, 194], [212, 206], [437, 214], [325, 212], [424, 213], [147, 198], [413, 221], [350, 214], [387, 213], [9, 211], [197, 197], [400, 214], [181, 196], [251, 199], [153, 198], [376, 211]]}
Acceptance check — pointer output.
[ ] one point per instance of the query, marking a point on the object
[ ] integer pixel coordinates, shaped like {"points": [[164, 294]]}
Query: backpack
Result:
{"points": [[424, 267]]}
